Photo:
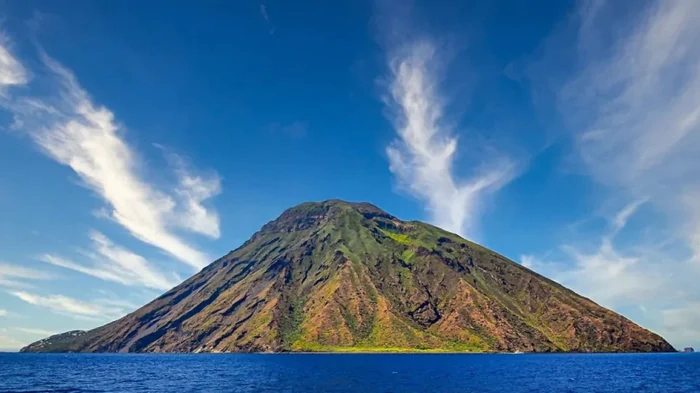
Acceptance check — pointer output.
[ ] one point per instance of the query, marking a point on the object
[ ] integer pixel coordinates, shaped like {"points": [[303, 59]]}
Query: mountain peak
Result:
{"points": [[309, 214], [330, 204], [347, 276]]}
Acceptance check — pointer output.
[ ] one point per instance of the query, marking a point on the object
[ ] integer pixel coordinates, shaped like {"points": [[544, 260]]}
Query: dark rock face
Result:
{"points": [[338, 276]]}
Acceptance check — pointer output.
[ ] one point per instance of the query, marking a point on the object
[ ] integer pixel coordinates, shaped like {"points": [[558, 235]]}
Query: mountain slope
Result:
{"points": [[338, 276]]}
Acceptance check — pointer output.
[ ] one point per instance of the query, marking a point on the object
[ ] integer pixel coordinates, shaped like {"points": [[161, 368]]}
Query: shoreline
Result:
{"points": [[351, 353]]}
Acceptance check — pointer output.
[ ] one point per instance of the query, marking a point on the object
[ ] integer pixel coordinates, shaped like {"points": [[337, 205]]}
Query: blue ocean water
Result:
{"points": [[663, 373]]}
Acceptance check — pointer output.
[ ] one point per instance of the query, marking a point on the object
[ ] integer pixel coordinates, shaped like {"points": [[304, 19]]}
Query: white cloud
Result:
{"points": [[96, 310], [3, 313], [12, 73], [423, 156], [35, 332], [113, 263], [611, 278], [15, 276], [118, 304], [621, 218], [193, 189], [627, 85], [645, 277], [58, 303], [634, 103], [73, 131], [529, 261]]}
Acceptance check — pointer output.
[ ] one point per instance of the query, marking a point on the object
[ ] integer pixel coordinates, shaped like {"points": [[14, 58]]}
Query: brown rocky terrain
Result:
{"points": [[338, 276]]}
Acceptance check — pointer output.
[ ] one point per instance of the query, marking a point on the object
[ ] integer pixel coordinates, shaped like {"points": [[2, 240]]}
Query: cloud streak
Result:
{"points": [[193, 190], [113, 263], [645, 96], [422, 158], [73, 131], [64, 305], [266, 18], [630, 94], [15, 276], [610, 276], [12, 72], [641, 93], [58, 303], [35, 332]]}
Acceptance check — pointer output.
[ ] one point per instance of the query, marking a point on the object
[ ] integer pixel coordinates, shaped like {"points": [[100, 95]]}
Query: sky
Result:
{"points": [[139, 144]]}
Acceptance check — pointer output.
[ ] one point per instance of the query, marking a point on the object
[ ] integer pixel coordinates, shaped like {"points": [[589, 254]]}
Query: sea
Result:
{"points": [[365, 373]]}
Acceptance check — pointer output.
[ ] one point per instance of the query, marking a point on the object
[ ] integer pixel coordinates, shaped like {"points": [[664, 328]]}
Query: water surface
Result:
{"points": [[662, 373]]}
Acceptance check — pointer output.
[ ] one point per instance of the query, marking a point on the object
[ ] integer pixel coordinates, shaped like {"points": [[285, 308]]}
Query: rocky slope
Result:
{"points": [[338, 276]]}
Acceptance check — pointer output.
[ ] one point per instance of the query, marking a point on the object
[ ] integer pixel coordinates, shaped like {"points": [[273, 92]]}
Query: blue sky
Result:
{"points": [[140, 144]]}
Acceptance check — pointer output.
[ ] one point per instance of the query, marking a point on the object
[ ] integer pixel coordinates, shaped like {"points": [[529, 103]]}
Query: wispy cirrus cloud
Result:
{"points": [[73, 131], [100, 309], [193, 190], [607, 274], [423, 156], [629, 92], [113, 263], [643, 94], [633, 102], [17, 276], [58, 303], [12, 72], [266, 18], [613, 277], [620, 220], [35, 332]]}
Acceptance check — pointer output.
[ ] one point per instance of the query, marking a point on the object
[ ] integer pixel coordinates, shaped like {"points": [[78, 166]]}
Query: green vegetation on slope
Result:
{"points": [[348, 277]]}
